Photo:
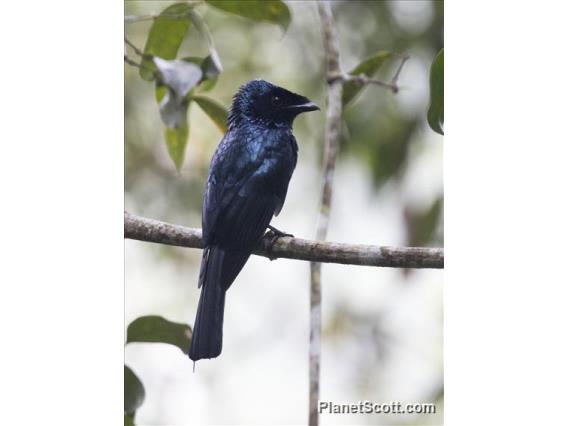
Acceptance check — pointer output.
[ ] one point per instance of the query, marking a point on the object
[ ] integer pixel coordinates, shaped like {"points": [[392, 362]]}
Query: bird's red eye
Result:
{"points": [[276, 101]]}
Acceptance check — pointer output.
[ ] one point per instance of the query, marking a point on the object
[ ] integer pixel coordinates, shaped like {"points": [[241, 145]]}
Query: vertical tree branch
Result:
{"points": [[332, 134]]}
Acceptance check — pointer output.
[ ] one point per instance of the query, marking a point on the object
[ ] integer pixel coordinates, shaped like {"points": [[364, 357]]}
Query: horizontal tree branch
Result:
{"points": [[155, 231]]}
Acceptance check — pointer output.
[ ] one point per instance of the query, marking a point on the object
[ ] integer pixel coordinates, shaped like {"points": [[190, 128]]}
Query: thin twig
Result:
{"points": [[404, 58], [332, 136], [136, 64], [364, 79], [335, 80], [131, 62], [155, 231], [130, 19], [136, 50]]}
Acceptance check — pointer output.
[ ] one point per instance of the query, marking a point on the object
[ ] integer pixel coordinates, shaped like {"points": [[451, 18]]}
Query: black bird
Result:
{"points": [[247, 184]]}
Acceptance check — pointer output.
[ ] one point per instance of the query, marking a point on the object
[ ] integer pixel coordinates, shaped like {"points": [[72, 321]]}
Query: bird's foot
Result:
{"points": [[274, 235], [278, 233]]}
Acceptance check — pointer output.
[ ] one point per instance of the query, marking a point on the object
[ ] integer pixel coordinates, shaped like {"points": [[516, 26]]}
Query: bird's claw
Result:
{"points": [[279, 234], [274, 235]]}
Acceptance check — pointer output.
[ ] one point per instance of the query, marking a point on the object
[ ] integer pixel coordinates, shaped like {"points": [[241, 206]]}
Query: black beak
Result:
{"points": [[307, 106]]}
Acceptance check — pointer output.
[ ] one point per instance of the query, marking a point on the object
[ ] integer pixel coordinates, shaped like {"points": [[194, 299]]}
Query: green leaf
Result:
{"points": [[368, 67], [175, 137], [176, 142], [176, 79], [165, 36], [154, 328], [274, 11], [436, 110], [128, 420], [133, 391], [173, 111], [217, 112]]}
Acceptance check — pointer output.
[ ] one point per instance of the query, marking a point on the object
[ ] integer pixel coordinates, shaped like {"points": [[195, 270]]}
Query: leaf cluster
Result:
{"points": [[179, 82]]}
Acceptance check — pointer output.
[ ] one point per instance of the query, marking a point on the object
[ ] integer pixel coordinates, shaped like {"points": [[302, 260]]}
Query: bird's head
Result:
{"points": [[261, 102]]}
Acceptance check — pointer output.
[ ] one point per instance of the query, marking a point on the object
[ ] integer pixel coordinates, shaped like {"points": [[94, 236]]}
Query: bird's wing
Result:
{"points": [[243, 192], [281, 188]]}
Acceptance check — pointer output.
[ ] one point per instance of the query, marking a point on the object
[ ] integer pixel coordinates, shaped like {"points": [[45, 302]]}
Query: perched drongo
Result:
{"points": [[247, 184]]}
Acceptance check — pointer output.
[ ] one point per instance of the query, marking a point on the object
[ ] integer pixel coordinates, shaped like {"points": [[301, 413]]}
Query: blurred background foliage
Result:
{"points": [[382, 328]]}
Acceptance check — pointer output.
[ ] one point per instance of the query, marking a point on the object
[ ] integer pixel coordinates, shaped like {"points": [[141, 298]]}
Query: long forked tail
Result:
{"points": [[218, 270]]}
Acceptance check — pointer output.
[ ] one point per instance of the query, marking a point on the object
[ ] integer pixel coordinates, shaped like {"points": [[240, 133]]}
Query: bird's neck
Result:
{"points": [[238, 120]]}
